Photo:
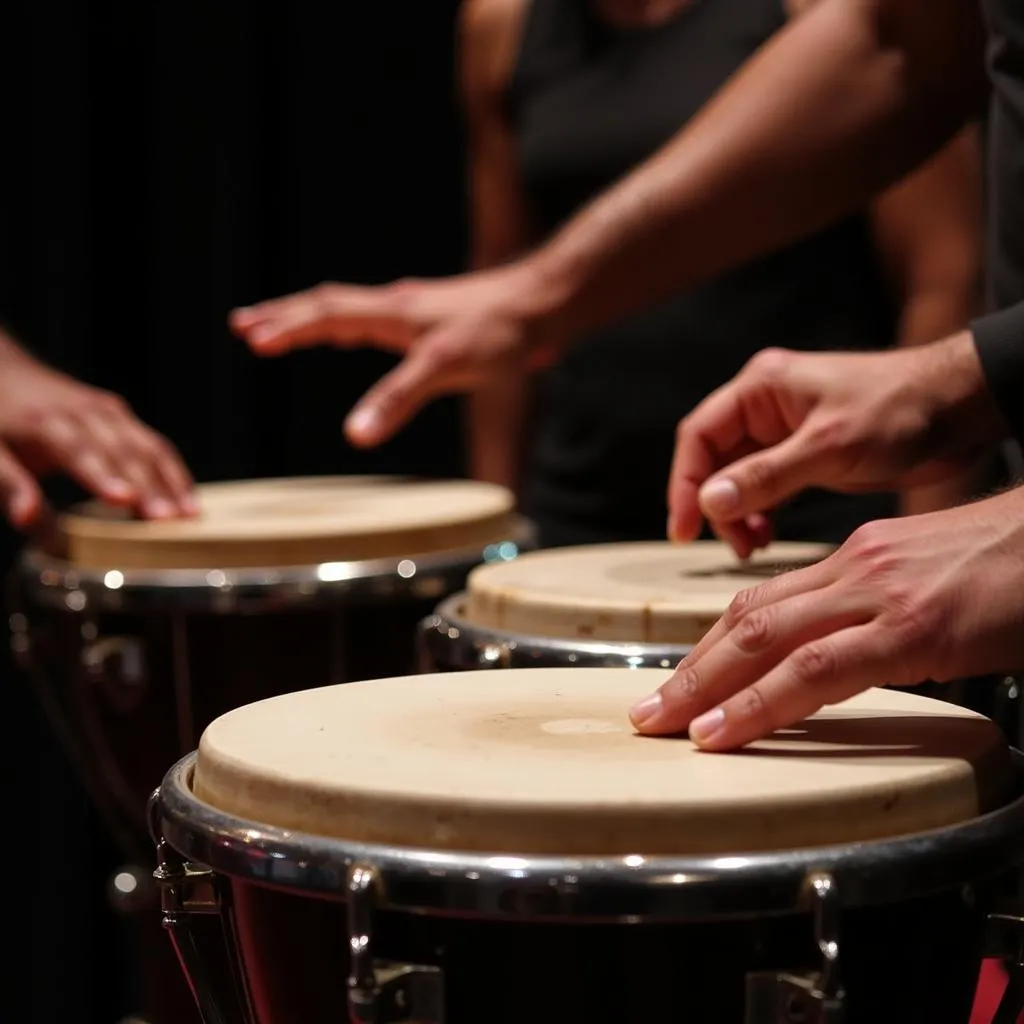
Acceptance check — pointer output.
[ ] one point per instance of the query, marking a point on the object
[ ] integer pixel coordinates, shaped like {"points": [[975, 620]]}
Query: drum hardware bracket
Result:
{"points": [[188, 890], [381, 991], [1005, 941], [125, 651], [797, 997]]}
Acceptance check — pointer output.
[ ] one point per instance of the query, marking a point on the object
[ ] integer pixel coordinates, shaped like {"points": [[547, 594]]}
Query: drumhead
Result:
{"points": [[544, 761], [637, 593], [295, 521]]}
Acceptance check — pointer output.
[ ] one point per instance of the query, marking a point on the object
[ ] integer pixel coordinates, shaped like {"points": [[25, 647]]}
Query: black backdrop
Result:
{"points": [[161, 164]]}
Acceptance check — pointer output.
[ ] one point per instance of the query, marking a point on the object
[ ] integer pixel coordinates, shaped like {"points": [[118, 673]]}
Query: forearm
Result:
{"points": [[839, 105]]}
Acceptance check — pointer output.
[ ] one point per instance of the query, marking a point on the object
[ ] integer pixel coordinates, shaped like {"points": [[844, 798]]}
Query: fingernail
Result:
{"points": [[20, 509], [646, 710], [720, 497], [159, 508], [118, 489], [260, 335], [670, 528], [363, 422], [190, 506], [705, 726]]}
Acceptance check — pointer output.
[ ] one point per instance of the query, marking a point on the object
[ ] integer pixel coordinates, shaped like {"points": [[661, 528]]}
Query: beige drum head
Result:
{"points": [[300, 521], [544, 761], [631, 593]]}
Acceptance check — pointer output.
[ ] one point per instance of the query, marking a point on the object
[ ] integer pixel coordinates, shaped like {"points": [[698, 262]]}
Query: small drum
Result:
{"points": [[636, 604], [473, 846], [144, 632]]}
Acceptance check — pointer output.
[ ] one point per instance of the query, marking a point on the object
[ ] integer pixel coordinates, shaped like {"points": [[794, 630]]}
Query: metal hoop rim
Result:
{"points": [[451, 640], [48, 581], [617, 888]]}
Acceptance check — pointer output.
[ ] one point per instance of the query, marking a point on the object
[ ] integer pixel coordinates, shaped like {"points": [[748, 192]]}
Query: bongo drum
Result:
{"points": [[142, 632], [636, 604], [468, 847]]}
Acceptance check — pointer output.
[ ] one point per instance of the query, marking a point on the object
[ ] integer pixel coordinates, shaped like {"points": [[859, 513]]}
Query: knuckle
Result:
{"points": [[108, 402], [753, 706], [323, 291], [871, 544], [770, 364], [813, 663], [682, 689], [833, 434], [759, 475], [755, 631], [403, 294], [34, 418], [324, 296], [740, 606]]}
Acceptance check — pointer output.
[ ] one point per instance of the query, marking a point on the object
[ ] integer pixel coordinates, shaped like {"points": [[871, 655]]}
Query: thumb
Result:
{"points": [[20, 494], [760, 482]]}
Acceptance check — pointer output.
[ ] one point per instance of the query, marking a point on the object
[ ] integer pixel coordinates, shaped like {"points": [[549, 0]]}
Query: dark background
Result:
{"points": [[161, 164]]}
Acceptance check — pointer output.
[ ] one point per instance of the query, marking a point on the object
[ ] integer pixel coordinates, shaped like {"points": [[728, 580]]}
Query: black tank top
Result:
{"points": [[588, 103]]}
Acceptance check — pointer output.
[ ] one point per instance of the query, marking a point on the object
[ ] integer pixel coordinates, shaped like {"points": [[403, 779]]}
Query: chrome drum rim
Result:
{"points": [[622, 888], [49, 582]]}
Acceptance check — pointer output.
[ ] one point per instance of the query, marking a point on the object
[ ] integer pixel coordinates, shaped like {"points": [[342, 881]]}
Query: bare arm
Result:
{"points": [[929, 233], [489, 38], [841, 103]]}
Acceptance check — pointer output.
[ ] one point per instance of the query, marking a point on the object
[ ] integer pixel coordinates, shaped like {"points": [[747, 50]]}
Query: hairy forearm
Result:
{"points": [[839, 105]]}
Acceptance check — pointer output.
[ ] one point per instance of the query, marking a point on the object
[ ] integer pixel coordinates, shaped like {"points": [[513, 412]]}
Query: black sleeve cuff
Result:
{"points": [[999, 339]]}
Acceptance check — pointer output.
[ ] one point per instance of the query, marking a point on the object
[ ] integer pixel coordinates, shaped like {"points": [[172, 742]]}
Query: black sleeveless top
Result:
{"points": [[587, 104]]}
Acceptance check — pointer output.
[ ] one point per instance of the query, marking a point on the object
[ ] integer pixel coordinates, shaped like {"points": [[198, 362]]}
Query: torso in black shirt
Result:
{"points": [[589, 103], [1006, 151]]}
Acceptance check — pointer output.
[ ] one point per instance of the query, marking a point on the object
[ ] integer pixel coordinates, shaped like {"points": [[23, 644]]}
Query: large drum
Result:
{"points": [[502, 847], [637, 604], [144, 632]]}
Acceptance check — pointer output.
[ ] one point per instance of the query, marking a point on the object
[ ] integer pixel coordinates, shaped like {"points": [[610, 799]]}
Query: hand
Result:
{"points": [[52, 423], [904, 600], [456, 333], [848, 422]]}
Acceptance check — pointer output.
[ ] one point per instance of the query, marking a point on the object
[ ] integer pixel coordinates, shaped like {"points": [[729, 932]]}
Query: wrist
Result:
{"points": [[542, 300], [962, 408]]}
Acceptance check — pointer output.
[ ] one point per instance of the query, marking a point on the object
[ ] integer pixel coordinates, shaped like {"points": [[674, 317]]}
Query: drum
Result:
{"points": [[467, 847], [637, 604], [141, 633]]}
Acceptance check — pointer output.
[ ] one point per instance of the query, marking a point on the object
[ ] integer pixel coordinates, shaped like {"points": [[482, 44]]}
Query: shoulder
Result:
{"points": [[489, 33]]}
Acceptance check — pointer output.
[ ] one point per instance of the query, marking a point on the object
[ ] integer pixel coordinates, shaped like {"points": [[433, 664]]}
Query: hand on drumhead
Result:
{"points": [[843, 421], [930, 597], [455, 334], [51, 423]]}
